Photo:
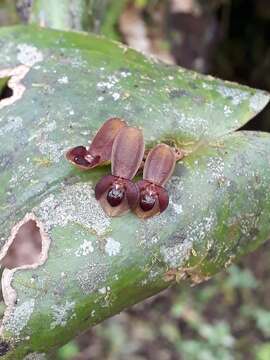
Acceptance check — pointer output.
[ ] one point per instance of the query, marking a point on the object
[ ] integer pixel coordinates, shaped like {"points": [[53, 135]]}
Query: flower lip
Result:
{"points": [[116, 195], [147, 201], [80, 157], [158, 168], [153, 199]]}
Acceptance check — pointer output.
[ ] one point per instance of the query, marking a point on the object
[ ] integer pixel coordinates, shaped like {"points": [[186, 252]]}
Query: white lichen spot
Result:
{"points": [[85, 249], [19, 317], [207, 86], [259, 101], [100, 98], [125, 74], [29, 55], [35, 356], [74, 204], [105, 85], [237, 96], [153, 274], [188, 123], [154, 240], [21, 174], [63, 80], [176, 255], [12, 124], [116, 96], [51, 150], [62, 313], [49, 127], [227, 111], [112, 81], [112, 247], [216, 166], [102, 291], [177, 208], [196, 232]]}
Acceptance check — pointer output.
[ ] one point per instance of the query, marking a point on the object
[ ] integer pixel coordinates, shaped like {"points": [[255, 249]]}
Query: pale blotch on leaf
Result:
{"points": [[29, 55], [62, 313], [112, 247]]}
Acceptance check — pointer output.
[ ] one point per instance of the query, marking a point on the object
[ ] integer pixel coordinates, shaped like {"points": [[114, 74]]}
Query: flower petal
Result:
{"points": [[127, 152], [102, 143], [159, 164]]}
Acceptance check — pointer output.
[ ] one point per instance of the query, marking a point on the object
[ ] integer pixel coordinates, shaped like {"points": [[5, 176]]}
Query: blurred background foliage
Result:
{"points": [[227, 317]]}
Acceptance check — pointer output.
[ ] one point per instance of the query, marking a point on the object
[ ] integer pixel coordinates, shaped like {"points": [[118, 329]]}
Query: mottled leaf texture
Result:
{"points": [[92, 266]]}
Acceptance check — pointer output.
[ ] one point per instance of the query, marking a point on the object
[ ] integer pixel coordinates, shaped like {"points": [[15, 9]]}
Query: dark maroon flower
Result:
{"points": [[116, 193], [100, 149], [158, 168]]}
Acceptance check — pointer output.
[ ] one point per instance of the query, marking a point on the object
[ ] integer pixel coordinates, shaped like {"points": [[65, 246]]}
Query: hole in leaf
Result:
{"points": [[5, 90], [4, 347], [25, 248]]}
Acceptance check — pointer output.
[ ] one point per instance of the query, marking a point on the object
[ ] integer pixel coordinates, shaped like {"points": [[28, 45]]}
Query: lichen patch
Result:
{"points": [[176, 255], [50, 149], [90, 277], [259, 101], [85, 249], [62, 313], [112, 247], [13, 123], [29, 55], [237, 96], [19, 317], [74, 204], [35, 356], [63, 80], [178, 252]]}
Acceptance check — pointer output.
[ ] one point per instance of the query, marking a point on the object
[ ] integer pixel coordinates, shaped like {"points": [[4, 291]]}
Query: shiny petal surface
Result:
{"points": [[142, 185], [102, 143], [104, 185], [131, 195], [80, 157], [162, 199], [112, 211], [159, 164], [127, 152]]}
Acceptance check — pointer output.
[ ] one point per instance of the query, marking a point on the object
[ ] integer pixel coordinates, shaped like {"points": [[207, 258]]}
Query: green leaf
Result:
{"points": [[263, 351], [97, 266]]}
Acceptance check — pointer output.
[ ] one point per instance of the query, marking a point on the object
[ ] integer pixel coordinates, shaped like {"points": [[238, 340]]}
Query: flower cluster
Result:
{"points": [[123, 146]]}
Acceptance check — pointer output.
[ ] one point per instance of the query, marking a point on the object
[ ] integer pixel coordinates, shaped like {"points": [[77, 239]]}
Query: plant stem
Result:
{"points": [[99, 16]]}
